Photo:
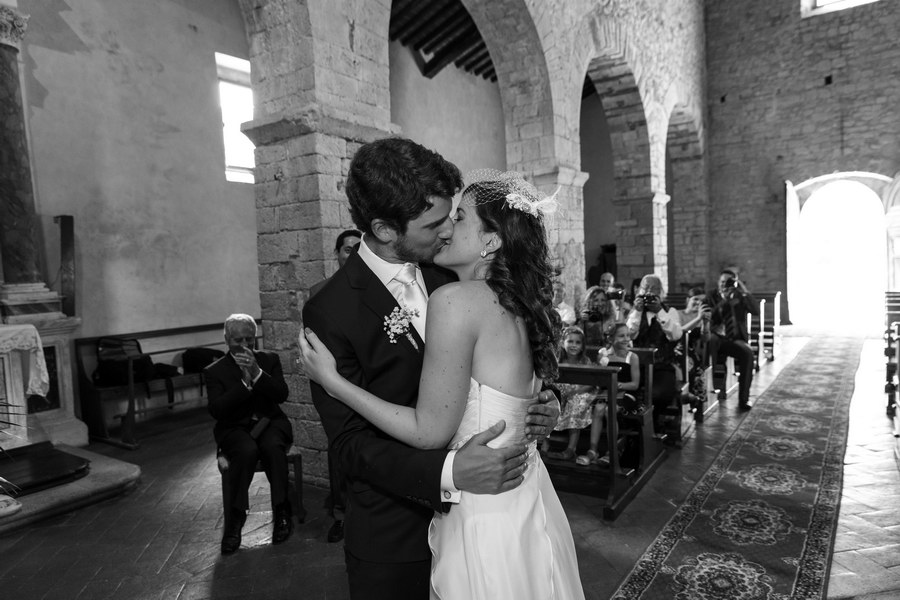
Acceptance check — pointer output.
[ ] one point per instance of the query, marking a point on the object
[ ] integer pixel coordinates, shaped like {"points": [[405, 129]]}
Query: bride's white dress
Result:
{"points": [[512, 545]]}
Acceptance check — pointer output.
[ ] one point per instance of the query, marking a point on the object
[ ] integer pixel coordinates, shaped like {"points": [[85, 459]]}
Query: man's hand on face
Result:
{"points": [[247, 362]]}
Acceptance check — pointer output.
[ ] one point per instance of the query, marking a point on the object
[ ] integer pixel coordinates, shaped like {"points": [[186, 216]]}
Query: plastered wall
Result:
{"points": [[456, 113], [125, 132]]}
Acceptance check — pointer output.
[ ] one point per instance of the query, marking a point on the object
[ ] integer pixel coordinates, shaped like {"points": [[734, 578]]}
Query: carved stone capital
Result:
{"points": [[12, 26]]}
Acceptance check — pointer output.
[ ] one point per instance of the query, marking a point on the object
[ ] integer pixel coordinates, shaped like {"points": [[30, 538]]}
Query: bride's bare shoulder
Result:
{"points": [[461, 295]]}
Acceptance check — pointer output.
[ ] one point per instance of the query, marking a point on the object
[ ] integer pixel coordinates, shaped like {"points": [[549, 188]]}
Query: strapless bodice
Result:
{"points": [[484, 407]]}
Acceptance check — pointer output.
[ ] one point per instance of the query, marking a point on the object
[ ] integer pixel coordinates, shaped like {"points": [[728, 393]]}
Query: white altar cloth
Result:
{"points": [[24, 338]]}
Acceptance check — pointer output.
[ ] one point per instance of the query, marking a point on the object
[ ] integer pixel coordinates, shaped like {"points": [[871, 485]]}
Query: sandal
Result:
{"points": [[590, 458], [567, 454]]}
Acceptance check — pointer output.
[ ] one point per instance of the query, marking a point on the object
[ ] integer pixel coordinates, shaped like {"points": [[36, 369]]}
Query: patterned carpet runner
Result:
{"points": [[760, 524]]}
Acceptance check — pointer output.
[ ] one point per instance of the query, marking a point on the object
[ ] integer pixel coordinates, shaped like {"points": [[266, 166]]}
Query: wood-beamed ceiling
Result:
{"points": [[443, 33]]}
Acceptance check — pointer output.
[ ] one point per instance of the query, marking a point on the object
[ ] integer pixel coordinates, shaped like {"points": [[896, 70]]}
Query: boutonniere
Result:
{"points": [[397, 323]]}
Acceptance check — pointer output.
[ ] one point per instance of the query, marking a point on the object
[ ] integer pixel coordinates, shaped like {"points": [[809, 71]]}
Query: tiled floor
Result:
{"points": [[161, 539]]}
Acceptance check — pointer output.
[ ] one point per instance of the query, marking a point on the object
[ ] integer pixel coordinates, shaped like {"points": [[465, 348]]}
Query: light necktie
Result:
{"points": [[412, 296]]}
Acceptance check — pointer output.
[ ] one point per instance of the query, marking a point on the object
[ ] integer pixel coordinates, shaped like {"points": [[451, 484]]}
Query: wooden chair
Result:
{"points": [[295, 496]]}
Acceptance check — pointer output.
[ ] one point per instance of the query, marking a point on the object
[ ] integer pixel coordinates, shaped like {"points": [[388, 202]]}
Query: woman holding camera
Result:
{"points": [[598, 314]]}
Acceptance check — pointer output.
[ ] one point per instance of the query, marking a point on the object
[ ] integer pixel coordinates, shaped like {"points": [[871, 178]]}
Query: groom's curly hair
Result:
{"points": [[393, 178], [521, 273]]}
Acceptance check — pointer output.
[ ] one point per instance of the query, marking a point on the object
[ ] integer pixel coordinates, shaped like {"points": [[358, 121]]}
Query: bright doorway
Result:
{"points": [[839, 263]]}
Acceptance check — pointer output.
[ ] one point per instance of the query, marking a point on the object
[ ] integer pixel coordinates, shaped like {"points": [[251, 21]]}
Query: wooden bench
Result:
{"points": [[618, 484], [165, 343]]}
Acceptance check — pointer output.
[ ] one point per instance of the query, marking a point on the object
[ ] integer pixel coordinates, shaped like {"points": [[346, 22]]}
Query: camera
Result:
{"points": [[594, 316], [615, 294], [731, 283], [649, 298]]}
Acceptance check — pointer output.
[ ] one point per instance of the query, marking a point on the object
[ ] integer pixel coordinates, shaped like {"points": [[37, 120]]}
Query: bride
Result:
{"points": [[491, 338]]}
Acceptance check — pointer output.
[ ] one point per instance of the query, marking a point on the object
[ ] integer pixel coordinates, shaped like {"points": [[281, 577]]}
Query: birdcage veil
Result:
{"points": [[512, 188]]}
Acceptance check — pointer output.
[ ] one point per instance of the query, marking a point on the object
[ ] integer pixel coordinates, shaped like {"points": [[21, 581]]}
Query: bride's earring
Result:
{"points": [[484, 253]]}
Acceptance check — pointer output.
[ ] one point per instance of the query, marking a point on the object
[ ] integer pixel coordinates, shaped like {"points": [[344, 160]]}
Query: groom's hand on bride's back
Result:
{"points": [[479, 469]]}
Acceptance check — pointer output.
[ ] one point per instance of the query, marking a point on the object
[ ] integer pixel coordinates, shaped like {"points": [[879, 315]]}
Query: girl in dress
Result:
{"points": [[577, 400], [490, 340], [617, 354]]}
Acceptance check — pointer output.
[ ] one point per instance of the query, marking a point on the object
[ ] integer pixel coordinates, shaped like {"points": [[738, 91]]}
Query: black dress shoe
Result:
{"points": [[744, 406], [231, 537], [336, 532], [283, 527]]}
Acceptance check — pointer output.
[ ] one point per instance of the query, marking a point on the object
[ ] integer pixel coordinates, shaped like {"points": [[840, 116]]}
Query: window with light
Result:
{"points": [[236, 100], [811, 8]]}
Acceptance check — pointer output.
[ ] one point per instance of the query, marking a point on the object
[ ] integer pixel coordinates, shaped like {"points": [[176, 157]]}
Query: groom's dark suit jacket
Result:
{"points": [[393, 488]]}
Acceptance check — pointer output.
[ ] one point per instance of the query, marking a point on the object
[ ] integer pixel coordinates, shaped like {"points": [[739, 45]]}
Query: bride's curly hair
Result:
{"points": [[520, 272]]}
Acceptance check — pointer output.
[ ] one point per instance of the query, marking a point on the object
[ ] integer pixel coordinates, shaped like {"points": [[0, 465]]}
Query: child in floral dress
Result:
{"points": [[577, 400], [617, 354]]}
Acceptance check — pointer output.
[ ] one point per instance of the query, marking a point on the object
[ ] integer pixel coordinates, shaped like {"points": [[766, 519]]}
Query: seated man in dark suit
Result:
{"points": [[245, 388], [731, 303], [653, 324]]}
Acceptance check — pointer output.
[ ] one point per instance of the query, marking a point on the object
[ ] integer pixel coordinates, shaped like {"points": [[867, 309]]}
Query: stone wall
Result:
{"points": [[322, 72], [791, 99]]}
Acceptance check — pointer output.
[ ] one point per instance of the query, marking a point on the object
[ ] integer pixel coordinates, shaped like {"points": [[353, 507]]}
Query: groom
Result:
{"points": [[400, 198]]}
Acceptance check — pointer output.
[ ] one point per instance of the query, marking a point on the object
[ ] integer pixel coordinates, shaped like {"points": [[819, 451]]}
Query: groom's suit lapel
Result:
{"points": [[376, 298]]}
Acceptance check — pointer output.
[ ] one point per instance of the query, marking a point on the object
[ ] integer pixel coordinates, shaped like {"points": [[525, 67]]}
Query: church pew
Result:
{"points": [[615, 482], [138, 398]]}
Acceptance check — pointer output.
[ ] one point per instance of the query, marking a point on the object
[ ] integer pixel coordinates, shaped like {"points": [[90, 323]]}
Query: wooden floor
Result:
{"points": [[161, 540]]}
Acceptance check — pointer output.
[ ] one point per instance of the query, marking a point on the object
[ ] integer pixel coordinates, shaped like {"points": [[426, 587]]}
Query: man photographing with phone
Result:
{"points": [[731, 303]]}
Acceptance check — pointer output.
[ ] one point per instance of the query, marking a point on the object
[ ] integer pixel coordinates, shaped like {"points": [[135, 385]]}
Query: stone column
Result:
{"points": [[565, 229], [302, 158], [23, 296], [17, 238]]}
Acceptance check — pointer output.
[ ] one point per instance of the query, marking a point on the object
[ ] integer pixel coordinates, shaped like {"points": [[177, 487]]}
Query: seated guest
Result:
{"points": [[652, 324], [346, 244], [616, 354], [695, 319], [607, 280], [577, 400], [336, 502], [245, 388], [598, 315], [731, 303], [563, 308]]}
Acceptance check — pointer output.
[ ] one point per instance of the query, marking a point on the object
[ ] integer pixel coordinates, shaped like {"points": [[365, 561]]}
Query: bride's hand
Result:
{"points": [[315, 360]]}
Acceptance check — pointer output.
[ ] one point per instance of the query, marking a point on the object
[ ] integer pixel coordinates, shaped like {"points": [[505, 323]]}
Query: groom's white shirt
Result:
{"points": [[385, 272]]}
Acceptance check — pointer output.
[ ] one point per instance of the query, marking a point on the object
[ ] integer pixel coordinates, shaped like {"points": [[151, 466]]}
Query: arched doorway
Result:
{"points": [[837, 263]]}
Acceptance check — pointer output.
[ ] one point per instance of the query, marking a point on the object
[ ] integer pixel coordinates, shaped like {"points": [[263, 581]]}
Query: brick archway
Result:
{"points": [[515, 47], [613, 77]]}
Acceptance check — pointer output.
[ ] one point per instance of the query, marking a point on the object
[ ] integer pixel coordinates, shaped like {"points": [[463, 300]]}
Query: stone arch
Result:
{"points": [[612, 67], [687, 215], [513, 41], [884, 186]]}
